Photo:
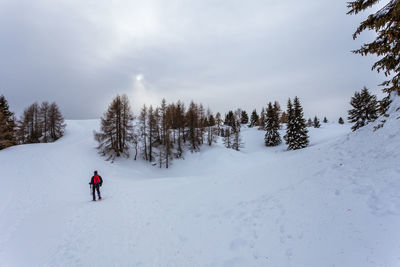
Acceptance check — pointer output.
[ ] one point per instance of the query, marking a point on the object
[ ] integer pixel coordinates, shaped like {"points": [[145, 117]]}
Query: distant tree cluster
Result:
{"points": [[160, 134], [38, 124]]}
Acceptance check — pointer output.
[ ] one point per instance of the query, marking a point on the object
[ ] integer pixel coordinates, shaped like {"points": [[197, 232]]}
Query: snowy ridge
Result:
{"points": [[335, 203]]}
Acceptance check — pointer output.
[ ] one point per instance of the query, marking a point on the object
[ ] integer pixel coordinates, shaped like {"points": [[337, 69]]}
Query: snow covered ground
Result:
{"points": [[335, 203]]}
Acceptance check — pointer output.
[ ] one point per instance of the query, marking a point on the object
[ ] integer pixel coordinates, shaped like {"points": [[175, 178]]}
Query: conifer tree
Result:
{"points": [[254, 118], [116, 129], [218, 121], [152, 131], [272, 136], [7, 125], [316, 122], [365, 109], [341, 121], [385, 22], [237, 139], [296, 132], [143, 130], [192, 120], [230, 119], [325, 120], [309, 122], [261, 120], [211, 130], [283, 118], [244, 117], [56, 122], [227, 138], [290, 131], [29, 130]]}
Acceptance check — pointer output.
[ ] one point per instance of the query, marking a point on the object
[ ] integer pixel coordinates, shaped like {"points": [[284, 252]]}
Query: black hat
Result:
{"points": [[95, 172]]}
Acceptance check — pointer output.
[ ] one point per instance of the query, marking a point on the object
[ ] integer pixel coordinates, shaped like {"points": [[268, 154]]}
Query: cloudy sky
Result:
{"points": [[224, 53]]}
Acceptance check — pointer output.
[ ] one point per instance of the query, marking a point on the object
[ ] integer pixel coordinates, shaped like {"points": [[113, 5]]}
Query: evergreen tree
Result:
{"points": [[384, 105], [272, 136], [341, 121], [325, 120], [245, 117], [237, 139], [365, 109], [296, 132], [309, 122], [230, 119], [316, 122], [254, 118], [7, 125], [261, 120], [290, 130], [116, 129], [227, 138], [385, 22], [283, 118], [211, 130]]}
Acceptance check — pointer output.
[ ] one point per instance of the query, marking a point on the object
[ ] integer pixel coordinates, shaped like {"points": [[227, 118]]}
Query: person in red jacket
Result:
{"points": [[96, 182]]}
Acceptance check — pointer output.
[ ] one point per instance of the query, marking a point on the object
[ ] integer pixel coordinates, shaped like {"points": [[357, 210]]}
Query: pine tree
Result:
{"points": [[211, 130], [290, 131], [116, 129], [261, 120], [325, 120], [283, 118], [296, 132], [341, 121], [227, 138], [316, 122], [29, 130], [254, 118], [365, 109], [237, 139], [309, 122], [245, 117], [7, 125], [230, 119], [385, 22], [272, 136]]}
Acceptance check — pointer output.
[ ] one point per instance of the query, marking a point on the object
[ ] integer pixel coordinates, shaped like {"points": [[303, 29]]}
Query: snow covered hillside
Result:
{"points": [[335, 203]]}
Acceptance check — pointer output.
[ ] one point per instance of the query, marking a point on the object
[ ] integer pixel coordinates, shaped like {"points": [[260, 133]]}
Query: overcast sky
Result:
{"points": [[225, 54]]}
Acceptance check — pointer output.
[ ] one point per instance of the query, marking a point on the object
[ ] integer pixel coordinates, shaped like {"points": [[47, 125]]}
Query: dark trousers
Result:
{"points": [[96, 187]]}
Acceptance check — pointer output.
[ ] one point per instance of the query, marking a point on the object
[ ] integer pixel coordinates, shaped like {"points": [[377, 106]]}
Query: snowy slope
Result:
{"points": [[335, 203]]}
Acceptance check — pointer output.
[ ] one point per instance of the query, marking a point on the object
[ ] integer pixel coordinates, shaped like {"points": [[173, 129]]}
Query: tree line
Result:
{"points": [[38, 124], [159, 134]]}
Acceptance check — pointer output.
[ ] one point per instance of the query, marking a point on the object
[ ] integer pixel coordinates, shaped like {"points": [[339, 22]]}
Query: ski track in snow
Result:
{"points": [[335, 203]]}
